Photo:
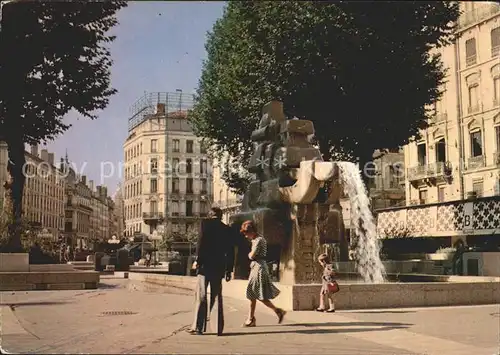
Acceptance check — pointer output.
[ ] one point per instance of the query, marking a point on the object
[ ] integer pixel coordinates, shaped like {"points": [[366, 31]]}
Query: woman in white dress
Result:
{"points": [[260, 286]]}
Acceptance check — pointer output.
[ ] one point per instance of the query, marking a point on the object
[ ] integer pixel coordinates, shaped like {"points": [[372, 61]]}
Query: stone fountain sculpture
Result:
{"points": [[294, 199]]}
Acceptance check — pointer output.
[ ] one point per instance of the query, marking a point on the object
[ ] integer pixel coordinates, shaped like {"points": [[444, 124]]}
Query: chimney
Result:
{"points": [[84, 179], [91, 185], [51, 159], [160, 109], [34, 150], [44, 155]]}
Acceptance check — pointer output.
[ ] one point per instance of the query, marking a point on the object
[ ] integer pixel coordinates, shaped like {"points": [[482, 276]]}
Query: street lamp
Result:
{"points": [[155, 236]]}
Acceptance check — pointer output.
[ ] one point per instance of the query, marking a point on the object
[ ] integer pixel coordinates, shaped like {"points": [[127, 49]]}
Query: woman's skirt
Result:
{"points": [[260, 287]]}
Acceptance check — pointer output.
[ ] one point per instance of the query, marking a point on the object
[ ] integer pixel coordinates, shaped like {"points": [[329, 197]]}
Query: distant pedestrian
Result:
{"points": [[148, 260], [329, 285], [260, 286]]}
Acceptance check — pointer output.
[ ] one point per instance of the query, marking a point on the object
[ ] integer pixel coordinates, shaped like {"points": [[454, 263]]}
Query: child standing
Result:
{"points": [[328, 287]]}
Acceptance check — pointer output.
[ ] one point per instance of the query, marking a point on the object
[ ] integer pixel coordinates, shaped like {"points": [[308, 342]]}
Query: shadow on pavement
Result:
{"points": [[349, 324], [27, 304], [383, 312], [107, 286], [316, 331]]}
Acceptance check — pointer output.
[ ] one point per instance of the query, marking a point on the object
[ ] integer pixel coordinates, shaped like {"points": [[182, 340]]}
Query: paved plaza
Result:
{"points": [[121, 318]]}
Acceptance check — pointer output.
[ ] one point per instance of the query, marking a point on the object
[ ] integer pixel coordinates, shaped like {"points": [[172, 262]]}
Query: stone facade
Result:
{"points": [[458, 155]]}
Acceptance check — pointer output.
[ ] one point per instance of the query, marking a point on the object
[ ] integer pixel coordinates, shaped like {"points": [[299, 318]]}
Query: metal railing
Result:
{"points": [[152, 215], [481, 13], [496, 158], [495, 51], [473, 109], [471, 60], [429, 170], [476, 162]]}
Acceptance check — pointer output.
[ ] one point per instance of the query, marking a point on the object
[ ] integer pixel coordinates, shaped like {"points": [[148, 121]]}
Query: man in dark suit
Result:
{"points": [[214, 262]]}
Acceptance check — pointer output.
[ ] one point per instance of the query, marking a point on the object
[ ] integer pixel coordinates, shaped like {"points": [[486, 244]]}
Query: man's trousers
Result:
{"points": [[201, 306]]}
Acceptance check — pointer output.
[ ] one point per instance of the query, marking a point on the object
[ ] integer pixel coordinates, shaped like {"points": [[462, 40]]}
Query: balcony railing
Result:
{"points": [[496, 157], [473, 109], [471, 60], [152, 215], [495, 51], [438, 169], [476, 162], [481, 13]]}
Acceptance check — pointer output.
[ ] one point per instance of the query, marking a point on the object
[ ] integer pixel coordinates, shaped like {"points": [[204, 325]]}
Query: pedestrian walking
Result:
{"points": [[214, 261], [260, 286], [329, 285]]}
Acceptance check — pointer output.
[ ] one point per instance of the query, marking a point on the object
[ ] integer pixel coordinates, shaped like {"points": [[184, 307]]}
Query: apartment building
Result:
{"points": [[457, 158], [224, 197], [119, 217], [89, 211], [43, 197], [168, 179]]}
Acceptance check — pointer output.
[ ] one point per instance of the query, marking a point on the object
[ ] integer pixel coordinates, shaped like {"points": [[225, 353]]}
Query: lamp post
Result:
{"points": [[155, 236]]}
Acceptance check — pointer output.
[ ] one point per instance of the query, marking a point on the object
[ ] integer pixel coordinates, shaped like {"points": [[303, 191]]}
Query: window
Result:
{"points": [[189, 208], [203, 148], [154, 165], [175, 185], [496, 91], [476, 144], [477, 187], [422, 196], [203, 183], [176, 146], [189, 166], [441, 150], [154, 147], [473, 99], [497, 136], [175, 208], [175, 165], [189, 185], [153, 187], [441, 193], [495, 42], [189, 146], [470, 52], [422, 154], [203, 208], [153, 207], [203, 167]]}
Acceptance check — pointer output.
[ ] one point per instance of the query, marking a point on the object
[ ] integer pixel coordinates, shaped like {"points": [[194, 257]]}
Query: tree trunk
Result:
{"points": [[15, 167]]}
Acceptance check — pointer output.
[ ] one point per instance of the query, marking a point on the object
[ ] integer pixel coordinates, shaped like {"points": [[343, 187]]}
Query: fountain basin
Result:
{"points": [[352, 295]]}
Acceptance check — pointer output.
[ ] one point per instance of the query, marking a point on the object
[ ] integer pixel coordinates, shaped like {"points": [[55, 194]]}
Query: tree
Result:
{"points": [[54, 59], [362, 72]]}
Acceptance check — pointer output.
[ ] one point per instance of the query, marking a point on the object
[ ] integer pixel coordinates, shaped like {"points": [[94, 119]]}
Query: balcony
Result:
{"points": [[495, 51], [471, 60], [473, 109], [477, 15], [496, 158], [152, 216], [476, 162], [430, 173]]}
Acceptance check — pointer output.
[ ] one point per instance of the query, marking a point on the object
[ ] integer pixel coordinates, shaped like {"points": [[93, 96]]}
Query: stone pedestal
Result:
{"points": [[299, 256], [14, 262]]}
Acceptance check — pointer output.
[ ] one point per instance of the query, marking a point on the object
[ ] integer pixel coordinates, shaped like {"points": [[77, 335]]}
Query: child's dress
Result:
{"points": [[328, 277]]}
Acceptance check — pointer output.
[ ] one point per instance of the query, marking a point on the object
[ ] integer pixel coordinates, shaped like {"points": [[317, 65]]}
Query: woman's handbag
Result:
{"points": [[333, 287]]}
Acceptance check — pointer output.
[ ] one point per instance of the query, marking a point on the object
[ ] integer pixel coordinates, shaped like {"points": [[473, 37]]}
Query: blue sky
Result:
{"points": [[159, 47]]}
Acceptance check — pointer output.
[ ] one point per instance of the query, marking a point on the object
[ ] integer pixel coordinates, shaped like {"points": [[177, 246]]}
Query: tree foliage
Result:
{"points": [[54, 60], [361, 71]]}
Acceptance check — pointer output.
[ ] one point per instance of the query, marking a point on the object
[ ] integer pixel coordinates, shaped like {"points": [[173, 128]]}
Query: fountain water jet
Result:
{"points": [[367, 252]]}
